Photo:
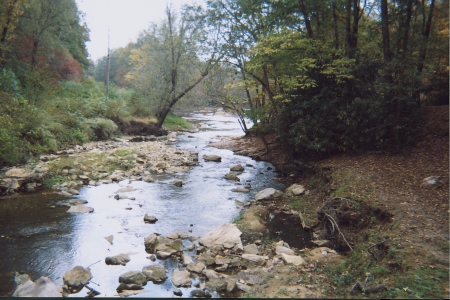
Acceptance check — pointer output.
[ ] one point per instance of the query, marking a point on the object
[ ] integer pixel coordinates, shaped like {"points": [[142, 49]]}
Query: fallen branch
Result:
{"points": [[335, 224]]}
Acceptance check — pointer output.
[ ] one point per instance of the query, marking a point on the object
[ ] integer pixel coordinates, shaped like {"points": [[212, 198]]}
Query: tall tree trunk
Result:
{"points": [[348, 30], [394, 105], [34, 53], [335, 25], [305, 14], [356, 12]]}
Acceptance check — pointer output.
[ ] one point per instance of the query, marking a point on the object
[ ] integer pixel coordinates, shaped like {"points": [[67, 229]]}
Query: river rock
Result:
{"points": [[133, 277], [237, 168], [212, 157], [19, 173], [73, 192], [110, 239], [295, 190], [80, 209], [206, 258], [186, 259], [163, 247], [268, 194], [257, 259], [148, 179], [177, 183], [221, 260], [77, 278], [198, 293], [211, 274], [181, 278], [241, 190], [128, 287], [231, 176], [245, 288], [150, 219], [196, 268], [227, 234], [293, 259], [177, 292], [156, 273], [281, 249], [217, 284], [121, 259], [43, 287], [251, 249]]}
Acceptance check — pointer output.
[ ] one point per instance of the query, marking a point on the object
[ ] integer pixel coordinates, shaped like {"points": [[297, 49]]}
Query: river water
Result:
{"points": [[40, 238]]}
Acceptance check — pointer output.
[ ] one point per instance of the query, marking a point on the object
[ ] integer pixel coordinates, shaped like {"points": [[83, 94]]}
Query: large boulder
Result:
{"points": [[135, 278], [43, 287], [19, 173], [231, 176], [227, 236], [155, 273], [237, 168], [162, 246], [268, 194], [121, 259], [77, 278], [293, 259], [212, 157], [181, 278], [295, 190]]}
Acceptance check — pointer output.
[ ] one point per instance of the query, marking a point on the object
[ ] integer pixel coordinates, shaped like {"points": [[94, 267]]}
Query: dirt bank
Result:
{"points": [[405, 255]]}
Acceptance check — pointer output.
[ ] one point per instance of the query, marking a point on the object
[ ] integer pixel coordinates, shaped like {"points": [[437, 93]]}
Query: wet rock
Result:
{"points": [[268, 194], [186, 259], [241, 190], [281, 249], [295, 190], [293, 259], [256, 259], [181, 278], [213, 158], [211, 274], [121, 259], [161, 246], [251, 249], [206, 258], [73, 202], [227, 234], [152, 257], [73, 192], [133, 277], [148, 179], [43, 287], [198, 293], [183, 235], [196, 268], [150, 219], [237, 168], [156, 273], [80, 209], [177, 183], [127, 287], [231, 176], [30, 187], [177, 292], [110, 239], [217, 284], [222, 268], [77, 278], [173, 236]]}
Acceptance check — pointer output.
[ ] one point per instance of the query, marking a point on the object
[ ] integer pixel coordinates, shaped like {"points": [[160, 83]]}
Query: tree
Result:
{"points": [[169, 63]]}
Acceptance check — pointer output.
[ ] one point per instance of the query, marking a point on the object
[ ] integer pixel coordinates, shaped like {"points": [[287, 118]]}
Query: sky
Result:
{"points": [[125, 19]]}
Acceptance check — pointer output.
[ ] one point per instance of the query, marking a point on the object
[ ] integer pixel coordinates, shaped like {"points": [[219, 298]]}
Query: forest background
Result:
{"points": [[323, 76]]}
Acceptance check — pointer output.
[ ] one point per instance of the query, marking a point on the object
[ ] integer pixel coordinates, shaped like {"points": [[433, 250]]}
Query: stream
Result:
{"points": [[40, 238]]}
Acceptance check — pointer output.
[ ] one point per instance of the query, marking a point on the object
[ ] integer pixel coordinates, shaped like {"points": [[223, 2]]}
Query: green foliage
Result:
{"points": [[296, 204], [173, 122]]}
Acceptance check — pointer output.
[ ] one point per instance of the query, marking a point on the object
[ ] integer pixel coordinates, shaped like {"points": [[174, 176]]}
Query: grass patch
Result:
{"points": [[297, 204], [238, 218], [341, 191], [173, 122]]}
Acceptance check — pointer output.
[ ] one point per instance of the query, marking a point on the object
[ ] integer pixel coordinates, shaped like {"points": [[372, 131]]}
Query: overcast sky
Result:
{"points": [[125, 18]]}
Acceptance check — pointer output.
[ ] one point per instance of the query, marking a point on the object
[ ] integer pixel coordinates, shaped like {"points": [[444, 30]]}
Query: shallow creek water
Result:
{"points": [[39, 238]]}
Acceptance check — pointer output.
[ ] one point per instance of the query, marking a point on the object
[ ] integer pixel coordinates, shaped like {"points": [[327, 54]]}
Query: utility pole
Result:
{"points": [[107, 68]]}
